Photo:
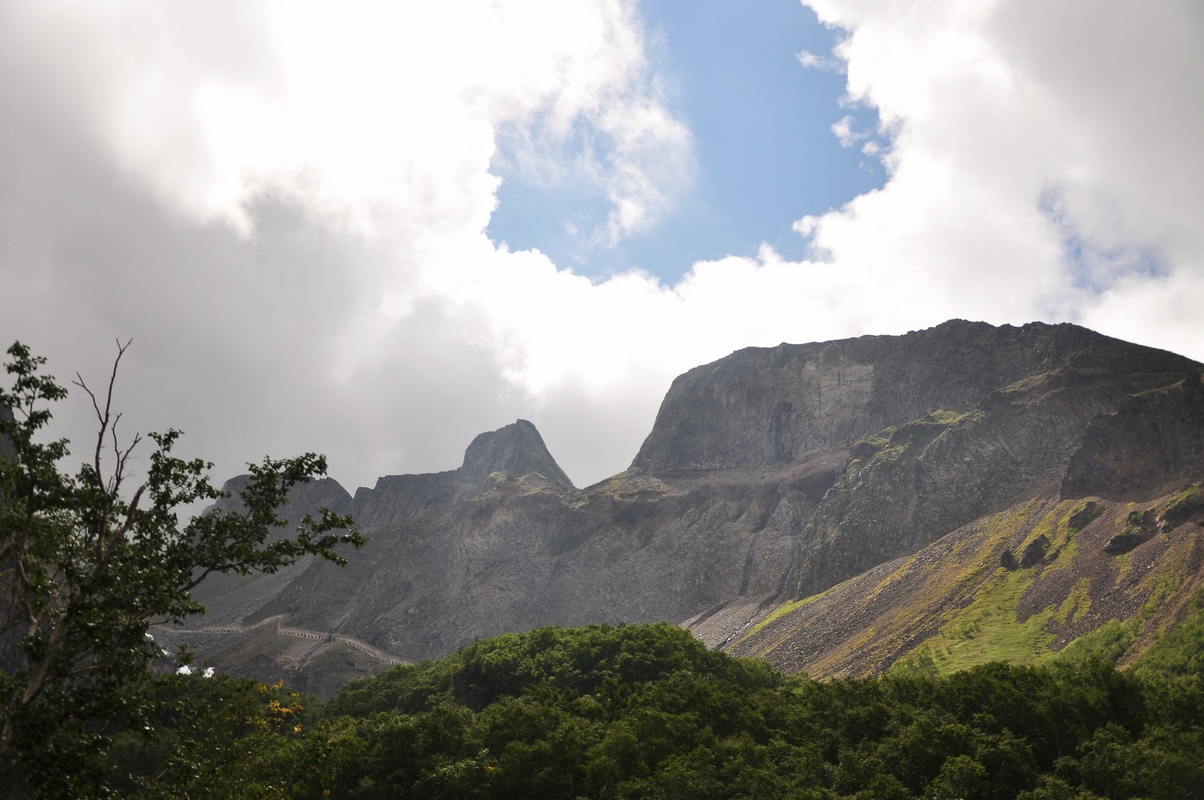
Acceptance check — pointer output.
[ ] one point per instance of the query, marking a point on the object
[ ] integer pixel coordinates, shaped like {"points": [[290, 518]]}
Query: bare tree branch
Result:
{"points": [[103, 416]]}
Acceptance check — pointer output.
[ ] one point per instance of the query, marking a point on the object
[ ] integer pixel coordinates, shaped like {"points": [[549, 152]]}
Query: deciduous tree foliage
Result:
{"points": [[90, 560], [562, 717], [645, 711]]}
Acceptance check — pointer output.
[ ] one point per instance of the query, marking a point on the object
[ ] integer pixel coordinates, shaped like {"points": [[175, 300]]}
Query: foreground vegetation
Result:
{"points": [[88, 561], [648, 712]]}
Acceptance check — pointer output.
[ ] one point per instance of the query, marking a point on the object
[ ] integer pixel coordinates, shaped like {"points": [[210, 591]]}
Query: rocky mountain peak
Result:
{"points": [[764, 406], [304, 498], [307, 498], [516, 449]]}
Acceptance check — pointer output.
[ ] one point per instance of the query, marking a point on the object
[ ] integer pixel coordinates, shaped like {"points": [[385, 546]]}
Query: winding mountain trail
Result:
{"points": [[298, 633]]}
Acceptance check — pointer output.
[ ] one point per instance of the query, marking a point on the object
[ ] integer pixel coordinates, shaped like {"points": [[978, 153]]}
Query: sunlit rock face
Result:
{"points": [[770, 474], [764, 406]]}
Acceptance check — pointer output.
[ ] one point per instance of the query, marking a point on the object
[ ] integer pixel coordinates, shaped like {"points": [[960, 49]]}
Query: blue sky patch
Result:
{"points": [[765, 151]]}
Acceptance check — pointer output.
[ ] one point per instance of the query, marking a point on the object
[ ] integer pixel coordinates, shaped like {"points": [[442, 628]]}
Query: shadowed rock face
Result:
{"points": [[514, 450], [769, 474], [1146, 443], [763, 406], [306, 498], [909, 485], [525, 553]]}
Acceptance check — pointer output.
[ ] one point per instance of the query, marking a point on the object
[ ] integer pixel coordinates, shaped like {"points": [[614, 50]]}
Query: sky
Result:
{"points": [[376, 229]]}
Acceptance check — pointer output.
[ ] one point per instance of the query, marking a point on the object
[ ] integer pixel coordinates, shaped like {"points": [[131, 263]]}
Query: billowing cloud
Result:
{"points": [[291, 197], [285, 205], [1043, 161], [364, 113]]}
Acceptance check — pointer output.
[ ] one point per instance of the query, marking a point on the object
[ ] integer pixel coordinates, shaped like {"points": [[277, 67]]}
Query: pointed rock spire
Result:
{"points": [[516, 450]]}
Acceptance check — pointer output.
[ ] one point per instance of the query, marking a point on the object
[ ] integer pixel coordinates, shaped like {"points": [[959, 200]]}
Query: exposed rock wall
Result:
{"points": [[908, 486], [764, 406], [525, 553], [515, 450], [1149, 442]]}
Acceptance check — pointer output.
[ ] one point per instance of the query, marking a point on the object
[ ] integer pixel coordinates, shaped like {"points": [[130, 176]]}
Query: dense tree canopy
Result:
{"points": [[648, 712]]}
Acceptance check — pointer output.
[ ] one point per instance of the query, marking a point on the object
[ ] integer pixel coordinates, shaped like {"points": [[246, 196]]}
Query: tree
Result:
{"points": [[89, 561]]}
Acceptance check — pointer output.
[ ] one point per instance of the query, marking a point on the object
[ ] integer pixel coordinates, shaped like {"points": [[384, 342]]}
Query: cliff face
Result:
{"points": [[936, 428], [233, 594], [906, 486], [769, 406], [528, 552], [1148, 442], [769, 475]]}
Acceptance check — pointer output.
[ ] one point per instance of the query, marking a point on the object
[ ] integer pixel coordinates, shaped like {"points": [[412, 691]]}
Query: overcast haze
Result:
{"points": [[375, 230]]}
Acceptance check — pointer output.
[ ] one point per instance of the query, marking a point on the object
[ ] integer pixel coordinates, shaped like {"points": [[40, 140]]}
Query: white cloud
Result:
{"points": [[1043, 159], [367, 114], [284, 188], [814, 61], [843, 130], [285, 204]]}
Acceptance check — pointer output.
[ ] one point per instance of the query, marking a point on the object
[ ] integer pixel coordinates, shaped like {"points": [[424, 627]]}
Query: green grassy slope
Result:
{"points": [[1082, 576]]}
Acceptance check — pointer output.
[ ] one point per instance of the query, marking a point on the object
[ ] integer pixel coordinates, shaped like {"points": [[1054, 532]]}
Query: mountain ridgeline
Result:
{"points": [[838, 507]]}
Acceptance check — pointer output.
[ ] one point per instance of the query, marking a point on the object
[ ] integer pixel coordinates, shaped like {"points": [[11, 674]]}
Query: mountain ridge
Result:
{"points": [[771, 475]]}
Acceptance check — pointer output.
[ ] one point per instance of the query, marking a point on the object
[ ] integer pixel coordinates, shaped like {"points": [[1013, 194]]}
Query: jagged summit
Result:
{"points": [[307, 498], [304, 498], [515, 450], [763, 406]]}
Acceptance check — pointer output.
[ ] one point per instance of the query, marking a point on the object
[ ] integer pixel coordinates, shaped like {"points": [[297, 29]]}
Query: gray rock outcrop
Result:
{"points": [[513, 451], [763, 406]]}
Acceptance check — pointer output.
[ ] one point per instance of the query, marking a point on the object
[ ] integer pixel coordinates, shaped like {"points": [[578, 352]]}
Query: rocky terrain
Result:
{"points": [[1017, 585], [785, 500]]}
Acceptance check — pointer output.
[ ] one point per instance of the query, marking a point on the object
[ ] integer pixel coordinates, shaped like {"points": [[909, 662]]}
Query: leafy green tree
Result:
{"points": [[89, 561], [645, 711], [960, 778], [216, 737]]}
